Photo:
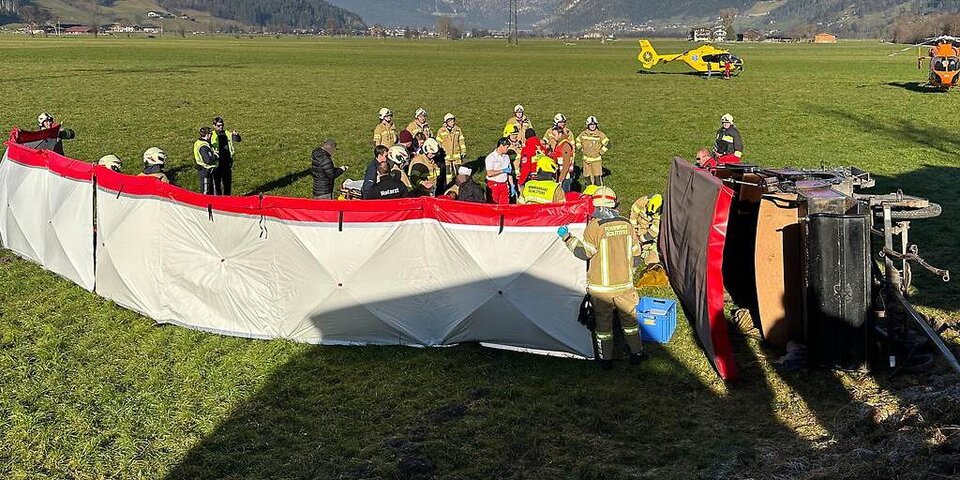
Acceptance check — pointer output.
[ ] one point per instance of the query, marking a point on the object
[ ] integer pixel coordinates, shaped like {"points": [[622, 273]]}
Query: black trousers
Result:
{"points": [[208, 184], [223, 178]]}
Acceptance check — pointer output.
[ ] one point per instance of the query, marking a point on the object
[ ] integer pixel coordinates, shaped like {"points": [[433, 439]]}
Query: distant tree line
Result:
{"points": [[278, 14], [917, 28]]}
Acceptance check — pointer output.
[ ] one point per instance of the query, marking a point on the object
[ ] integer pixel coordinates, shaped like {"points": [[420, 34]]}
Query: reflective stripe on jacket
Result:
{"points": [[541, 191]]}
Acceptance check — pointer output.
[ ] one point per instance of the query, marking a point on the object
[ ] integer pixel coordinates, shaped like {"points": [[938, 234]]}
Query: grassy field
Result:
{"points": [[89, 390]]}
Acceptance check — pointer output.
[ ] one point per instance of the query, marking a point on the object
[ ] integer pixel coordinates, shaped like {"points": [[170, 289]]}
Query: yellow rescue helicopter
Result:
{"points": [[705, 59]]}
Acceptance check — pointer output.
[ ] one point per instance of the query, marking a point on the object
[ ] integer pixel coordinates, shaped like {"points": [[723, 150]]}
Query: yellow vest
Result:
{"points": [[215, 143], [196, 154], [539, 191]]}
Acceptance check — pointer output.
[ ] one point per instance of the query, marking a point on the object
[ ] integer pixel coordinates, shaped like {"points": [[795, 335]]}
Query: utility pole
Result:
{"points": [[513, 30]]}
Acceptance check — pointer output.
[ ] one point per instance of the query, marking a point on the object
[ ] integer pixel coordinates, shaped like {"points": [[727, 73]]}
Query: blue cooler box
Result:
{"points": [[657, 318]]}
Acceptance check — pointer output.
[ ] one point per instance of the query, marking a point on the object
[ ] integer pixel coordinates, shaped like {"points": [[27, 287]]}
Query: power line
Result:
{"points": [[513, 30]]}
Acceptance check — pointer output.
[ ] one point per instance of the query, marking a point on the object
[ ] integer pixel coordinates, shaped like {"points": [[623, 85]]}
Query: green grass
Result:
{"points": [[89, 390]]}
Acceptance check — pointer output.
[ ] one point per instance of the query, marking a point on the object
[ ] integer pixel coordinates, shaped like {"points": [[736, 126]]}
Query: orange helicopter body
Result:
{"points": [[944, 66]]}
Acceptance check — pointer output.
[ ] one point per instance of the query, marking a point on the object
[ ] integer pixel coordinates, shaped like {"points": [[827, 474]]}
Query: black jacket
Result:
{"points": [[728, 141], [324, 173], [471, 191], [388, 187]]}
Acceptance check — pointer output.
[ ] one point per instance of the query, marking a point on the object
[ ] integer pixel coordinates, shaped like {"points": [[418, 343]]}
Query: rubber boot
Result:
{"points": [[638, 358]]}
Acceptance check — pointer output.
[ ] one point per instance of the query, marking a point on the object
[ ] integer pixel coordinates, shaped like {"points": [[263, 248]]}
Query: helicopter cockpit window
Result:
{"points": [[946, 64]]}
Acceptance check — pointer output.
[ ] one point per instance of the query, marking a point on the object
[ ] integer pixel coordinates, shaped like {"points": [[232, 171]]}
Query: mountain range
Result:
{"points": [[849, 18]]}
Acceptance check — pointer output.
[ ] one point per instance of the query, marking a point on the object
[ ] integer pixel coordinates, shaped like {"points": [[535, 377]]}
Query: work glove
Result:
{"points": [[508, 170], [513, 190], [563, 231], [344, 167]]}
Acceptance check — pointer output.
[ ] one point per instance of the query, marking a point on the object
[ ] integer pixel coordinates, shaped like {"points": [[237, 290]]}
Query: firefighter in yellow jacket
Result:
{"points": [[520, 120], [593, 144], [558, 133], [645, 218], [451, 139], [423, 170], [419, 124], [609, 246], [386, 132], [544, 187]]}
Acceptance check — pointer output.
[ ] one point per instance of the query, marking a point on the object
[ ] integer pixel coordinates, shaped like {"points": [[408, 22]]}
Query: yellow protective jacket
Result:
{"points": [[592, 144], [432, 170], [609, 246], [524, 124], [553, 137], [414, 128], [385, 135], [647, 226], [452, 142]]}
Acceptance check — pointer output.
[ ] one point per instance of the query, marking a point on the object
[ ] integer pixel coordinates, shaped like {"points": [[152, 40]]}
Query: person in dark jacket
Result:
{"points": [[387, 186], [465, 189], [370, 176], [46, 121], [206, 159], [729, 141], [323, 171], [222, 143]]}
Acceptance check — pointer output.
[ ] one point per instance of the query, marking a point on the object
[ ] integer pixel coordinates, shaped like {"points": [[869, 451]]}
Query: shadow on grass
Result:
{"points": [[944, 140], [916, 87], [284, 181], [693, 74], [175, 175], [936, 238], [470, 412], [473, 412]]}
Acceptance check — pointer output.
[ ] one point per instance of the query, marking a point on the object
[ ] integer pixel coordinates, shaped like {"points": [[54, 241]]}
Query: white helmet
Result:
{"points": [[559, 118], [448, 117], [110, 161], [398, 154], [431, 145], [726, 118], [518, 109], [420, 111], [385, 112], [591, 120], [605, 197], [44, 117], [154, 156]]}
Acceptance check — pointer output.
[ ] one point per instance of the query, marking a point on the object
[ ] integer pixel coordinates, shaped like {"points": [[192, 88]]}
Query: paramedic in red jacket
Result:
{"points": [[528, 166]]}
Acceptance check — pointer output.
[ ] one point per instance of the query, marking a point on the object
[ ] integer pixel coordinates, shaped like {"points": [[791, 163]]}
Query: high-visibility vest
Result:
{"points": [[196, 153], [215, 142], [539, 191]]}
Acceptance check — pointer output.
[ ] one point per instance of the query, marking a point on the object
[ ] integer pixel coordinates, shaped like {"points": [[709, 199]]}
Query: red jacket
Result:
{"points": [[527, 167]]}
